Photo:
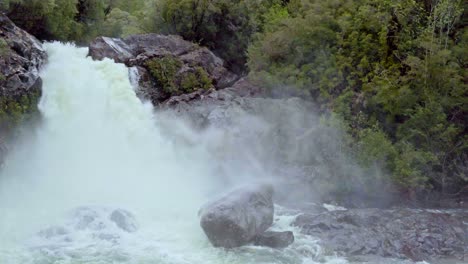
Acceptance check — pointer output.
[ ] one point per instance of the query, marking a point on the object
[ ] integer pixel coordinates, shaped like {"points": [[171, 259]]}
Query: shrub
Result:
{"points": [[4, 48], [166, 72], [196, 80]]}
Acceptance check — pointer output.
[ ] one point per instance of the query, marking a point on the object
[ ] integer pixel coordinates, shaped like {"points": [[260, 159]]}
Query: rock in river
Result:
{"points": [[237, 218], [274, 239], [398, 233], [87, 225]]}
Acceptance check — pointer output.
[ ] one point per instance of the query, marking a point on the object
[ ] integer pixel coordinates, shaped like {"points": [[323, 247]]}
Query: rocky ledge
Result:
{"points": [[165, 66], [399, 233], [21, 56]]}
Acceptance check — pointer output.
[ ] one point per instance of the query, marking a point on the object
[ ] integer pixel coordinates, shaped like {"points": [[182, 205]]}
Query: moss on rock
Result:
{"points": [[16, 110], [4, 47], [168, 75], [196, 80], [164, 70]]}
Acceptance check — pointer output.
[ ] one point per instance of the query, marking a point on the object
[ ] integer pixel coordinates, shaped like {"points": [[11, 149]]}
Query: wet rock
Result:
{"points": [[223, 108], [238, 217], [3, 150], [399, 233], [21, 57], [274, 239], [137, 50], [124, 220], [100, 218], [90, 224], [84, 229], [87, 218], [53, 231]]}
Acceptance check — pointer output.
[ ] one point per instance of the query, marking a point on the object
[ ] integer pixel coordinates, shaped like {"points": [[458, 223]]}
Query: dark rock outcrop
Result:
{"points": [[21, 56], [221, 108], [238, 217], [274, 239], [400, 233], [190, 59]]}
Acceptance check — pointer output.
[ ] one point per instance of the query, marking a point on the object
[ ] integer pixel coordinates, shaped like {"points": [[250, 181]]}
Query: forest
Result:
{"points": [[392, 74]]}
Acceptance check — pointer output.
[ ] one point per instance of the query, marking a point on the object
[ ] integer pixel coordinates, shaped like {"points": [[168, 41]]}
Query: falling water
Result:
{"points": [[99, 145]]}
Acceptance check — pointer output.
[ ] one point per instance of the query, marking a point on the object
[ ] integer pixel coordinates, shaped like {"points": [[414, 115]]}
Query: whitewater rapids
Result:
{"points": [[99, 145]]}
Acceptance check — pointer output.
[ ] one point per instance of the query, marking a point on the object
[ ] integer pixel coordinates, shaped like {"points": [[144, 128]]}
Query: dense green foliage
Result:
{"points": [[196, 79], [224, 26], [394, 72], [77, 20]]}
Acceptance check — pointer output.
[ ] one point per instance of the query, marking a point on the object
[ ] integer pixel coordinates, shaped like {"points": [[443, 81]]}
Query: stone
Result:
{"points": [[274, 239], [137, 50], [124, 220], [238, 217], [417, 234], [21, 61]]}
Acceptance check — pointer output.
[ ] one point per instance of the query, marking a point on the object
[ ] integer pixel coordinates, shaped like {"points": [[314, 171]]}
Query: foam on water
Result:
{"points": [[99, 145]]}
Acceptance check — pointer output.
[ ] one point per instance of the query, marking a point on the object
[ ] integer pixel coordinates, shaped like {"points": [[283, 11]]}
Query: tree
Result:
{"points": [[224, 26], [394, 71]]}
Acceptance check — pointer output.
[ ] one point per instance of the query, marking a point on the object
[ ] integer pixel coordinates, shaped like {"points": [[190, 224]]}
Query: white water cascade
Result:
{"points": [[99, 145]]}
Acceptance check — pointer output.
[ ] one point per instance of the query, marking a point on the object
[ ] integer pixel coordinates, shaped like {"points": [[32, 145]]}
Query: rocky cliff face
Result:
{"points": [[165, 66], [21, 56], [20, 85]]}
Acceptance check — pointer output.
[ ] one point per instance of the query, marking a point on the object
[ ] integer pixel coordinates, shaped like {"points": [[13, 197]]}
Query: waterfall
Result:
{"points": [[99, 145]]}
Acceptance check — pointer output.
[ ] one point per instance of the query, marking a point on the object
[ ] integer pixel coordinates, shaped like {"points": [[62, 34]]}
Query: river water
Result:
{"points": [[99, 145]]}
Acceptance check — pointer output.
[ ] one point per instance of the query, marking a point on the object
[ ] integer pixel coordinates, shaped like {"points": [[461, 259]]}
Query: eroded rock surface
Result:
{"points": [[400, 233]]}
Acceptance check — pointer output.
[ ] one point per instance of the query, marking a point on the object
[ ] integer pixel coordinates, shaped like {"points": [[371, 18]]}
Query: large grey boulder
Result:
{"points": [[237, 218], [136, 50]]}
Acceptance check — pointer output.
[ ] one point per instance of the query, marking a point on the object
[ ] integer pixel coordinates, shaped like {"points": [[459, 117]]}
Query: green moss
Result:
{"points": [[14, 111], [164, 70], [4, 48], [193, 81]]}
